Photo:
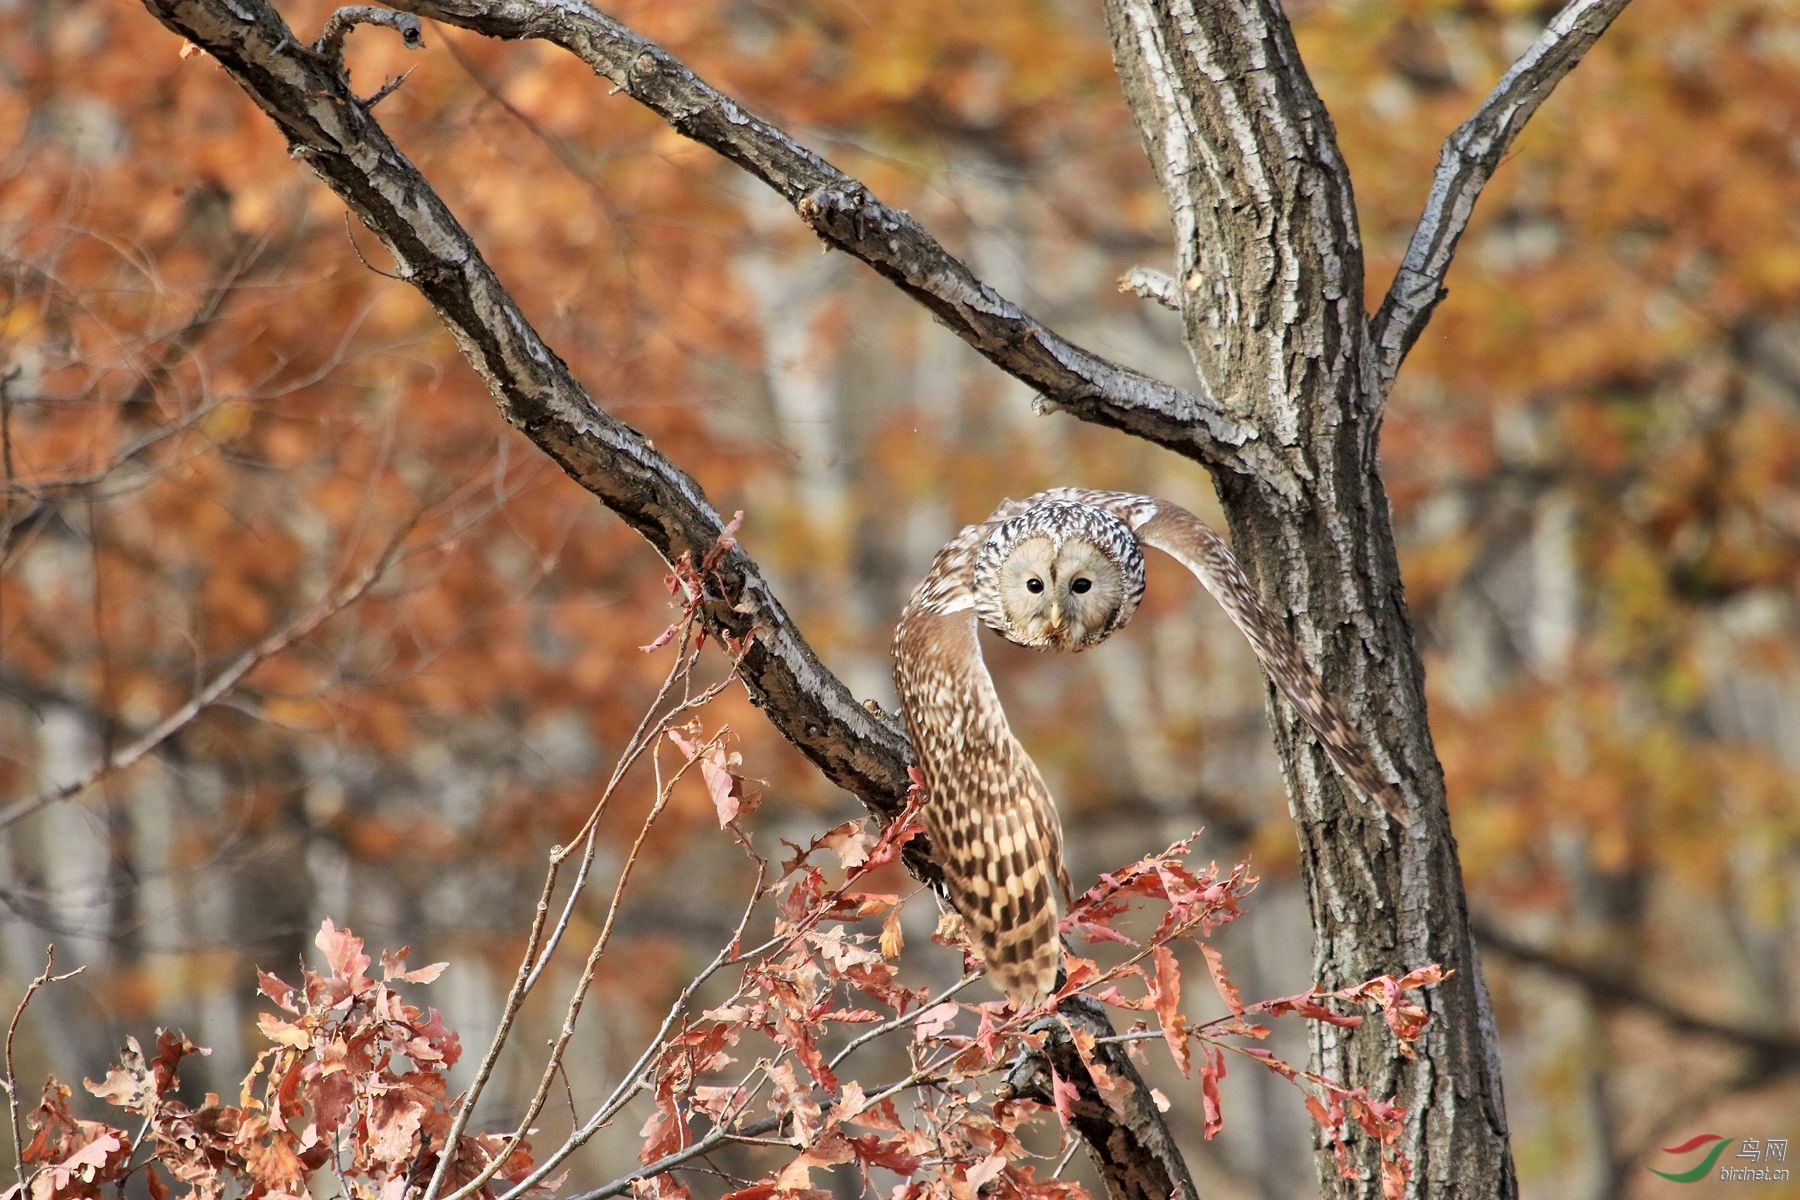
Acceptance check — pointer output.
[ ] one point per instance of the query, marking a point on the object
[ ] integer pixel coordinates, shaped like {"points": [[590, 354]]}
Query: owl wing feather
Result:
{"points": [[1198, 547]]}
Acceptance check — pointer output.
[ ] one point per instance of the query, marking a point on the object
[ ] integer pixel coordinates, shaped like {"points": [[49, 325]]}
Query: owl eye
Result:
{"points": [[1034, 585], [1081, 585]]}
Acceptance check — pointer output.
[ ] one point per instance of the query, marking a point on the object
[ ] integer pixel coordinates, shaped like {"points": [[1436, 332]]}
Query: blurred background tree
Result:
{"points": [[1594, 458]]}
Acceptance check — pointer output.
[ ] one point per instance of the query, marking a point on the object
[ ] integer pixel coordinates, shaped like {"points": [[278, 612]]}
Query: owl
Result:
{"points": [[1061, 570]]}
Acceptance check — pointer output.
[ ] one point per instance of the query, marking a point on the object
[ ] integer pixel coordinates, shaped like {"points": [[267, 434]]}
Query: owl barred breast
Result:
{"points": [[1061, 570]]}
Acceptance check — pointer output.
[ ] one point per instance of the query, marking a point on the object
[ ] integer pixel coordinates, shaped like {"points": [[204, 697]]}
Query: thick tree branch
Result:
{"points": [[310, 101], [1468, 160], [1134, 1152], [328, 128], [847, 215]]}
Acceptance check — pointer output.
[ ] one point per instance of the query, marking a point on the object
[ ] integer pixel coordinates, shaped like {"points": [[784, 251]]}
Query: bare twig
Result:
{"points": [[509, 1013], [10, 1080], [654, 723], [723, 1133], [1159, 287], [626, 1089], [755, 1079], [388, 88], [900, 1022], [1468, 160], [7, 521], [633, 1080], [716, 1137], [214, 688], [7, 378]]}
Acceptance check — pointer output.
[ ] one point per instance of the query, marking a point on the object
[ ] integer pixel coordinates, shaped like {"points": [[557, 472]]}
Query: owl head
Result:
{"points": [[1060, 576]]}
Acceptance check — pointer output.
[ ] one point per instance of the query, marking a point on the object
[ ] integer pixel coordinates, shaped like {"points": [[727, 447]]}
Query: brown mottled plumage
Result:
{"points": [[1059, 570]]}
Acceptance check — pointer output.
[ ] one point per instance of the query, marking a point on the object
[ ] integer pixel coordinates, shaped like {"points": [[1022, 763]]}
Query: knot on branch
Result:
{"points": [[645, 66], [846, 213], [1028, 1078]]}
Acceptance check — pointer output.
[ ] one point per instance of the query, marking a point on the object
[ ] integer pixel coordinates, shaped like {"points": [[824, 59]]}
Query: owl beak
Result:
{"points": [[1056, 618]]}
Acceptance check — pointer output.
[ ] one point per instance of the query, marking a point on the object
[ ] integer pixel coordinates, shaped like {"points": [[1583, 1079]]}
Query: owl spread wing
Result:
{"points": [[1198, 547], [988, 812]]}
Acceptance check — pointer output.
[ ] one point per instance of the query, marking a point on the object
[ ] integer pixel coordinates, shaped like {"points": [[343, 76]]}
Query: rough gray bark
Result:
{"points": [[1267, 251], [1294, 377], [1265, 224]]}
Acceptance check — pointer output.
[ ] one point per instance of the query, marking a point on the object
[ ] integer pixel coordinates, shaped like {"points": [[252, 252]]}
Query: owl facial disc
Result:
{"points": [[1059, 576]]}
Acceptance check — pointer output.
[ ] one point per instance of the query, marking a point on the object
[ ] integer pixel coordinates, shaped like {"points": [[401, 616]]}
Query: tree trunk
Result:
{"points": [[1271, 286], [1294, 375]]}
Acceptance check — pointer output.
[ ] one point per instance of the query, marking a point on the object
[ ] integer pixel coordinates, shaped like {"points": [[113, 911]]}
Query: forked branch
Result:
{"points": [[9, 1079], [843, 212], [1467, 162]]}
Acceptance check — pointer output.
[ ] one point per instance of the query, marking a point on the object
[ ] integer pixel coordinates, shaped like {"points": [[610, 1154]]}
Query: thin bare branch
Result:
{"points": [[1610, 989], [722, 1134], [509, 1013], [899, 1022], [212, 690], [539, 949], [714, 1139], [10, 1080], [627, 1088], [590, 968], [1468, 160]]}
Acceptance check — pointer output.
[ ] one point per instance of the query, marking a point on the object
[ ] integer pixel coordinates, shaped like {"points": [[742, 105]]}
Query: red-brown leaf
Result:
{"points": [[1228, 991], [1165, 997], [1212, 1069]]}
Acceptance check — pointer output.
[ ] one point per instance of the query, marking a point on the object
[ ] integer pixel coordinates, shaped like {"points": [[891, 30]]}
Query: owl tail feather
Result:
{"points": [[1022, 960], [1002, 883]]}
